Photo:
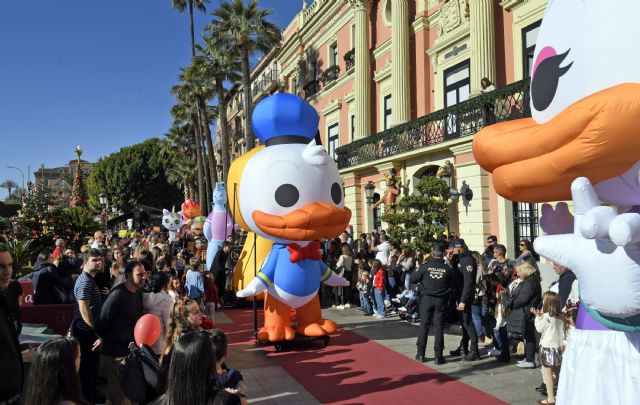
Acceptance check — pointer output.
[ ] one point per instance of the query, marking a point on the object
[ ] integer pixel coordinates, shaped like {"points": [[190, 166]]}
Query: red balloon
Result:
{"points": [[147, 330]]}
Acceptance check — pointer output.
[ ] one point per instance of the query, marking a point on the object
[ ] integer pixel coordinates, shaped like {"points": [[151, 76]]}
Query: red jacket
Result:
{"points": [[378, 279], [211, 293]]}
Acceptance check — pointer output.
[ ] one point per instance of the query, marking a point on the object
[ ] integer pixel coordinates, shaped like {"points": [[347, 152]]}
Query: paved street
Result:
{"points": [[268, 383]]}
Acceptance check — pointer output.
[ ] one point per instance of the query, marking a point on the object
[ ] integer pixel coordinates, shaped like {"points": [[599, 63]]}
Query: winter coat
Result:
{"points": [[526, 295]]}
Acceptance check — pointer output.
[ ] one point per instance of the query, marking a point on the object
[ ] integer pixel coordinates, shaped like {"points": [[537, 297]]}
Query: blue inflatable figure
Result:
{"points": [[219, 223]]}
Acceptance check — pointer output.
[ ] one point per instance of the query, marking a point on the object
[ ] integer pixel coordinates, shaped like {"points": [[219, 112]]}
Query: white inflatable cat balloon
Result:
{"points": [[172, 221], [583, 142]]}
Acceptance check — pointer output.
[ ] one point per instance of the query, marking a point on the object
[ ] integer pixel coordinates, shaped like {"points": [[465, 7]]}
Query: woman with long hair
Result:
{"points": [[53, 379], [527, 254], [343, 268], [185, 317], [192, 374]]}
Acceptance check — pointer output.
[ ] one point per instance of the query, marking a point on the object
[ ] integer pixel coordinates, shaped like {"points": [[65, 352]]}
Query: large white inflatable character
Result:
{"points": [[583, 142], [289, 191]]}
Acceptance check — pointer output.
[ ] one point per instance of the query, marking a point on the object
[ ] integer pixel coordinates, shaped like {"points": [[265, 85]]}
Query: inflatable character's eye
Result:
{"points": [[166, 220], [177, 221], [287, 195], [545, 80], [336, 193]]}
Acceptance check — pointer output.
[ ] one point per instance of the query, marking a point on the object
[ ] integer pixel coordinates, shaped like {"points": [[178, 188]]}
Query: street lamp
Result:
{"points": [[102, 197], [21, 173], [369, 190]]}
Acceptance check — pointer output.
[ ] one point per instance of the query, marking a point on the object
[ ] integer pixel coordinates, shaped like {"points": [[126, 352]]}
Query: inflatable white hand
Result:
{"points": [[336, 281], [603, 251], [253, 288]]}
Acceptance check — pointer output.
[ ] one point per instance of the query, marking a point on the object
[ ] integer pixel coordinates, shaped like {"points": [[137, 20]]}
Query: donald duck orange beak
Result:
{"points": [[317, 220], [597, 137]]}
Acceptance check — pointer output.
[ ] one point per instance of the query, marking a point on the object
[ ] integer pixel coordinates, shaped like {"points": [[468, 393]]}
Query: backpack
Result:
{"points": [[138, 374]]}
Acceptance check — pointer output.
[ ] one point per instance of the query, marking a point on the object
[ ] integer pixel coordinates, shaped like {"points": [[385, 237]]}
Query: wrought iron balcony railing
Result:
{"points": [[265, 82], [331, 74], [311, 88], [350, 59], [466, 118]]}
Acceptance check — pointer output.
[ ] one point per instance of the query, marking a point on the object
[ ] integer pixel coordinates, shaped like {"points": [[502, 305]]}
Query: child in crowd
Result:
{"points": [[365, 293], [550, 324], [379, 289], [500, 337], [210, 295], [175, 288]]}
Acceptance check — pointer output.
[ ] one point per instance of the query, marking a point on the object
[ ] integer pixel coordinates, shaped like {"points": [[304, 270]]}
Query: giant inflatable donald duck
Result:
{"points": [[583, 142], [289, 191]]}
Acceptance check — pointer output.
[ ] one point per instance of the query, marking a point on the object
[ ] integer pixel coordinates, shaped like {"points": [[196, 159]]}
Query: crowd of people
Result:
{"points": [[113, 282], [498, 302]]}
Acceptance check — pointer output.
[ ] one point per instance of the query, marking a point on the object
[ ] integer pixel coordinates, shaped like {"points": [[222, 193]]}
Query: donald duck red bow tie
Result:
{"points": [[311, 251]]}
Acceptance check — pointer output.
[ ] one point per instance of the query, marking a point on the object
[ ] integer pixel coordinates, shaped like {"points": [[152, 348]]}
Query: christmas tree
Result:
{"points": [[418, 220], [78, 192], [39, 217]]}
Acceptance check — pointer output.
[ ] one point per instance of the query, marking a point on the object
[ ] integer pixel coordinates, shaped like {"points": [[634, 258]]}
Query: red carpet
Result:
{"points": [[355, 370]]}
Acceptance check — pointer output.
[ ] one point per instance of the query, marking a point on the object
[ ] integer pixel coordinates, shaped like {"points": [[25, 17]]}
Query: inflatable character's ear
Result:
{"points": [[165, 212]]}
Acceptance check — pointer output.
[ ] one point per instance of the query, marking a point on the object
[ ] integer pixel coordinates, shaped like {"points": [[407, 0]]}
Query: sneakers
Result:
{"points": [[379, 316], [526, 364], [488, 342], [458, 352], [421, 358], [341, 307], [396, 300], [347, 306], [387, 303], [494, 352], [440, 360]]}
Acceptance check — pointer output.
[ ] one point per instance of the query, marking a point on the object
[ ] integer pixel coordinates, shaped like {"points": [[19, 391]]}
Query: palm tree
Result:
{"points": [[181, 6], [178, 147], [186, 111], [246, 28], [9, 185], [222, 64]]}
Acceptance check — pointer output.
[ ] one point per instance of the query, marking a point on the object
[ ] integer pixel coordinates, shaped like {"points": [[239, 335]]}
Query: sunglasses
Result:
{"points": [[522, 244]]}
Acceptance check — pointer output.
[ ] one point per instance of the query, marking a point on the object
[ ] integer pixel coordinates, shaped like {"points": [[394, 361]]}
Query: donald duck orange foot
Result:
{"points": [[289, 191]]}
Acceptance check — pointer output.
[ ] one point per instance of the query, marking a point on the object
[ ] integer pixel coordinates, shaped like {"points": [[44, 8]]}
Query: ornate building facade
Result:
{"points": [[397, 84]]}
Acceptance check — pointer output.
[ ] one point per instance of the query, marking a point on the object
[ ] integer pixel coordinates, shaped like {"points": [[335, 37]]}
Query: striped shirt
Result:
{"points": [[86, 289]]}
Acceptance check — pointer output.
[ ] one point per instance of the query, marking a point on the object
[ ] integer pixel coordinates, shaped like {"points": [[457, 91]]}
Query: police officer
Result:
{"points": [[465, 266], [437, 280]]}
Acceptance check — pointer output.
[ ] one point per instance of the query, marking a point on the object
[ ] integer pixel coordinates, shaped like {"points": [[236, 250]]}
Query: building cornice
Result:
{"points": [[332, 106]]}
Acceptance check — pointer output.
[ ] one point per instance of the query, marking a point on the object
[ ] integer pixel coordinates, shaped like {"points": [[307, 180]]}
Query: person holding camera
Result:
{"points": [[437, 280]]}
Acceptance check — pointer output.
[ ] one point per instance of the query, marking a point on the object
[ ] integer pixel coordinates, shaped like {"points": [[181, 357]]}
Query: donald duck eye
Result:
{"points": [[287, 195], [546, 76], [336, 193]]}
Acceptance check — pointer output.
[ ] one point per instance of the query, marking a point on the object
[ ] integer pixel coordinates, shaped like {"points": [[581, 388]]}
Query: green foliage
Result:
{"points": [[419, 219], [80, 224], [22, 252], [134, 175]]}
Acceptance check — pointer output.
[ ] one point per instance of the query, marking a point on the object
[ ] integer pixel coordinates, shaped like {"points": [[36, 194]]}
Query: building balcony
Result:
{"points": [[457, 121], [311, 88], [331, 74], [237, 134], [265, 83], [350, 59]]}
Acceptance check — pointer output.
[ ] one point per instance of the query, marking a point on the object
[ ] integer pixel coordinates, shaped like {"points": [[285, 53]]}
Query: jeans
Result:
{"points": [[469, 334], [476, 317], [364, 302], [379, 302]]}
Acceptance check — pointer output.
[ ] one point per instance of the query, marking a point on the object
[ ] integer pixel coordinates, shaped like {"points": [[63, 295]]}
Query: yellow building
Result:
{"points": [[397, 85]]}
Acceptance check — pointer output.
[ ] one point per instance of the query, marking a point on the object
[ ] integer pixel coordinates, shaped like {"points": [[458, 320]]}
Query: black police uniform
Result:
{"points": [[466, 267], [437, 280]]}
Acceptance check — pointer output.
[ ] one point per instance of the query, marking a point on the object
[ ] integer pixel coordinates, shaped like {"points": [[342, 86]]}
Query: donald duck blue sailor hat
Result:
{"points": [[284, 118]]}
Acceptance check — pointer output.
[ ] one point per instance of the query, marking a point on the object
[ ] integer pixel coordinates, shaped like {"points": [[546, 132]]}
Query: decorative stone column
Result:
{"points": [[401, 96], [483, 51], [362, 69]]}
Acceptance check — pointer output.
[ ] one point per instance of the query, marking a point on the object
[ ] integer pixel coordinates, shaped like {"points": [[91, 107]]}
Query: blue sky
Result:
{"points": [[92, 73]]}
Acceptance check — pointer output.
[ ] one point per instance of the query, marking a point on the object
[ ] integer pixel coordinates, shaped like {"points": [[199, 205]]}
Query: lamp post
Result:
{"points": [[369, 190], [104, 202], [21, 173]]}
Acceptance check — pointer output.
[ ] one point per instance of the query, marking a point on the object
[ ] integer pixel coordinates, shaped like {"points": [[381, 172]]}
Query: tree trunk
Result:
{"points": [[193, 37], [213, 173], [207, 176], [202, 197], [224, 128], [246, 87]]}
